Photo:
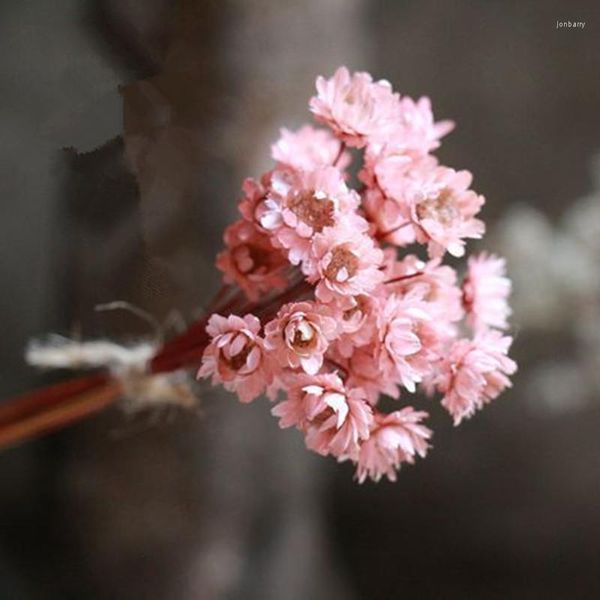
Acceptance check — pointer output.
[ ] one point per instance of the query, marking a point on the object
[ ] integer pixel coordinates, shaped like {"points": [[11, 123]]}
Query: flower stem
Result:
{"points": [[382, 235], [338, 158]]}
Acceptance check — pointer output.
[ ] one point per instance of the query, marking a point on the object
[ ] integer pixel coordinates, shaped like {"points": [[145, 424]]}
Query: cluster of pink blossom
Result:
{"points": [[330, 315]]}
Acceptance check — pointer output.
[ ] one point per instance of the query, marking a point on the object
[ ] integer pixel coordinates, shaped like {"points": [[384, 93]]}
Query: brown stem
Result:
{"points": [[57, 406], [382, 235], [337, 366], [404, 277], [188, 348], [340, 154], [295, 292], [213, 305]]}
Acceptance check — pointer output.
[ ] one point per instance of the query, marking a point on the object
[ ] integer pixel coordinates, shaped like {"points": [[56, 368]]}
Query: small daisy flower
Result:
{"points": [[364, 370], [344, 261], [417, 132], [302, 204], [251, 261], [356, 108], [395, 438], [254, 192], [435, 282], [300, 334], [357, 324], [409, 341], [333, 418], [236, 356], [475, 372], [390, 218], [443, 209], [308, 149], [485, 292]]}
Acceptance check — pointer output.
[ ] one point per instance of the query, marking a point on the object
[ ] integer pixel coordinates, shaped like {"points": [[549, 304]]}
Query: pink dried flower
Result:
{"points": [[359, 322], [309, 148], [342, 441], [346, 320], [486, 290], [475, 372], [390, 219], [434, 282], [443, 209], [301, 204], [394, 172], [254, 192], [410, 139], [356, 108], [236, 356], [344, 261], [334, 419], [417, 131], [409, 339], [392, 180], [300, 334], [364, 370], [251, 261], [395, 438]]}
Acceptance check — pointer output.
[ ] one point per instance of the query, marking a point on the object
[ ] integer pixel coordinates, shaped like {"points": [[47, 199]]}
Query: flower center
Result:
{"points": [[335, 403], [359, 307], [237, 361], [442, 208], [342, 266], [303, 337], [313, 209]]}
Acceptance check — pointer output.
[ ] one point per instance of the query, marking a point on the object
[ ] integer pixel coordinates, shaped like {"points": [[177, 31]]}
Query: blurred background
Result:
{"points": [[126, 128]]}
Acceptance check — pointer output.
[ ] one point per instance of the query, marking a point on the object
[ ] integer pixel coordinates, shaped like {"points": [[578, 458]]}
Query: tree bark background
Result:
{"points": [[127, 129]]}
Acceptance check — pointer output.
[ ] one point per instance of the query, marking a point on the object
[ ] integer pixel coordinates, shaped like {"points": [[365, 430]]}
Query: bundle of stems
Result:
{"points": [[56, 406]]}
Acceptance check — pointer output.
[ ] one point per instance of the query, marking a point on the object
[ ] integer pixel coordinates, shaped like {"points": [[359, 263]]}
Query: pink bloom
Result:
{"points": [[303, 203], [417, 132], [356, 108], [434, 282], [357, 324], [412, 136], [251, 261], [475, 372], [394, 172], [390, 218], [443, 209], [409, 341], [364, 370], [486, 289], [344, 261], [375, 322], [389, 168], [254, 193], [333, 418], [309, 148], [300, 334], [236, 356], [342, 440], [392, 178], [395, 438]]}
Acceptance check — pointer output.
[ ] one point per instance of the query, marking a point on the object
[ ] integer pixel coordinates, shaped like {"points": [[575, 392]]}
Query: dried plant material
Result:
{"points": [[317, 303]]}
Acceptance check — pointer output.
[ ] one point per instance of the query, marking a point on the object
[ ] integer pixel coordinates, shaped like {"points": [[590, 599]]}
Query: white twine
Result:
{"points": [[126, 363], [59, 352]]}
